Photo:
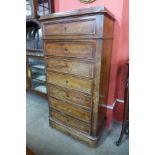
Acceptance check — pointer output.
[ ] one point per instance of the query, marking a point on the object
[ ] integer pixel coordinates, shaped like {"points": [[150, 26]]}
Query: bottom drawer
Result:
{"points": [[69, 121]]}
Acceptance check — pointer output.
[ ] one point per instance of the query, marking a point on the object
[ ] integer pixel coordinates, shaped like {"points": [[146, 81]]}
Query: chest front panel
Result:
{"points": [[77, 51]]}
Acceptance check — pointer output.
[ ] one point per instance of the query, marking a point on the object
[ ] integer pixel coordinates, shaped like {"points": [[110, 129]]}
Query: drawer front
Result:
{"points": [[74, 123], [72, 96], [70, 109], [69, 49], [68, 81], [68, 66], [70, 27]]}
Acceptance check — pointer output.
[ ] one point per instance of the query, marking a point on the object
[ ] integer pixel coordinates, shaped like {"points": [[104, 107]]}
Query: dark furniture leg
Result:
{"points": [[125, 125]]}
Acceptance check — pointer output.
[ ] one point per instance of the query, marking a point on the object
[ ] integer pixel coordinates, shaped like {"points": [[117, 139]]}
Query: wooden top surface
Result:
{"points": [[85, 11]]}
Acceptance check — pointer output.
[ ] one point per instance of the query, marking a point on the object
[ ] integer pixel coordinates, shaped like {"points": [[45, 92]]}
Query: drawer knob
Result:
{"points": [[67, 81], [67, 95], [66, 65], [65, 28], [66, 50]]}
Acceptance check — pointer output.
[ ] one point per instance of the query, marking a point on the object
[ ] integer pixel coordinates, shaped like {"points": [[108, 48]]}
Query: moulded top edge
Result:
{"points": [[91, 10]]}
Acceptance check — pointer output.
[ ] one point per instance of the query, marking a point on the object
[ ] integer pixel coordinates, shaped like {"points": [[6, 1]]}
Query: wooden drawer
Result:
{"points": [[70, 95], [78, 26], [68, 81], [69, 49], [70, 66], [69, 121], [70, 109]]}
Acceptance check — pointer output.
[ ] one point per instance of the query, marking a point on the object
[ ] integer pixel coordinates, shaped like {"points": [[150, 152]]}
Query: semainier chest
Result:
{"points": [[78, 47]]}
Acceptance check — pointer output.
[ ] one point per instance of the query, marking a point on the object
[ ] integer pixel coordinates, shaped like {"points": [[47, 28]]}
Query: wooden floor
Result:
{"points": [[29, 152]]}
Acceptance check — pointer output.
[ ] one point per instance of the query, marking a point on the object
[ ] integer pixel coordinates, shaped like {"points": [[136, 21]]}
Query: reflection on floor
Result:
{"points": [[43, 140]]}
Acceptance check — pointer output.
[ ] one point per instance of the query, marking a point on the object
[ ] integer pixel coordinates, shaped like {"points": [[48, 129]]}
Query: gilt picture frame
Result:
{"points": [[87, 1]]}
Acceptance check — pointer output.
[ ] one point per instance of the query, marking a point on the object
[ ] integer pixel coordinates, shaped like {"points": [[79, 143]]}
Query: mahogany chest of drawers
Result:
{"points": [[77, 47]]}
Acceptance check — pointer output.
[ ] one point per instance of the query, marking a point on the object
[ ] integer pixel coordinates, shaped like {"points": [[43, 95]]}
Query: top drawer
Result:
{"points": [[71, 26]]}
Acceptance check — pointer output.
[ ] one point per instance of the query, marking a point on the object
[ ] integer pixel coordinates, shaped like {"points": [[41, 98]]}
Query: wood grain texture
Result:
{"points": [[68, 81], [75, 97], [90, 30], [80, 12], [90, 141], [78, 48], [69, 49], [72, 110], [70, 121], [70, 66], [70, 27], [105, 69]]}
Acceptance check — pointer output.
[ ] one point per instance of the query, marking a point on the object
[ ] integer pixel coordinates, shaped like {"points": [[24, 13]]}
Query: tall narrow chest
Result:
{"points": [[78, 47]]}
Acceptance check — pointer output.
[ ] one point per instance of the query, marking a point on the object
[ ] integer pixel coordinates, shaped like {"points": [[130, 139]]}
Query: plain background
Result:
{"points": [[13, 77]]}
